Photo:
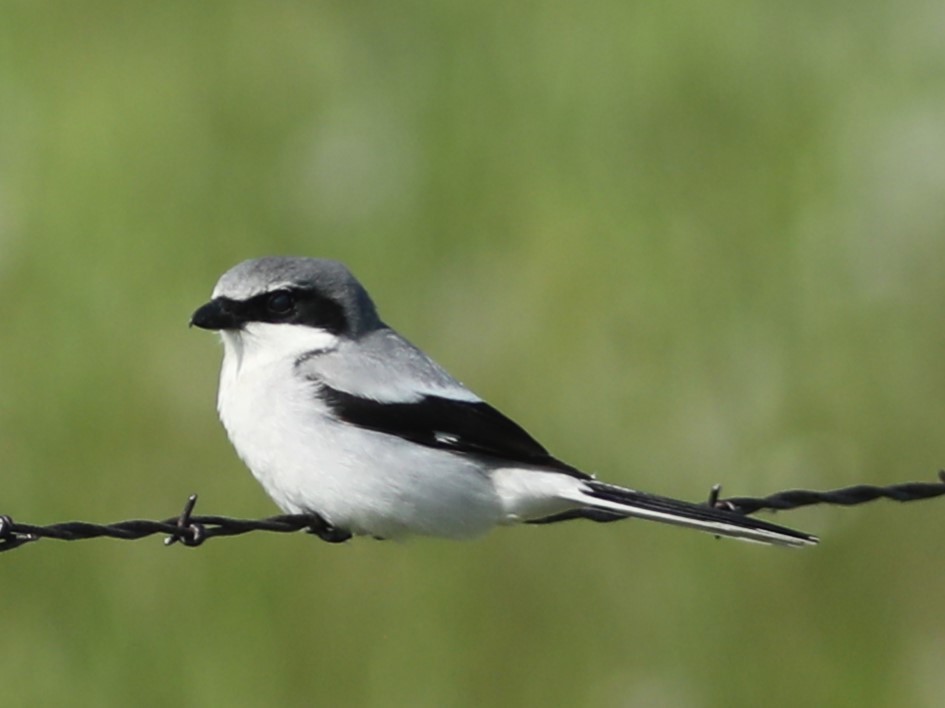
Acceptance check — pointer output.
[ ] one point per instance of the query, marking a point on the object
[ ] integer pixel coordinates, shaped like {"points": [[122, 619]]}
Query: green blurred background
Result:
{"points": [[682, 243]]}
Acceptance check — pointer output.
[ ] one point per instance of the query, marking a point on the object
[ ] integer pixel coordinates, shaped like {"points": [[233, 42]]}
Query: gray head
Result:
{"points": [[284, 290]]}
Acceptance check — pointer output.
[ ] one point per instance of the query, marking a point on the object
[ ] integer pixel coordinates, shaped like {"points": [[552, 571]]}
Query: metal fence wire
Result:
{"points": [[192, 529]]}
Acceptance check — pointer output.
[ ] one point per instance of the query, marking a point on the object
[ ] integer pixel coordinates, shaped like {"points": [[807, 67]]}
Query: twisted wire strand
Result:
{"points": [[192, 530], [188, 529], [848, 496]]}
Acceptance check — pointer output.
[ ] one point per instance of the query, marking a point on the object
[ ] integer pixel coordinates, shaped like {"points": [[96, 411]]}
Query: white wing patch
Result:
{"points": [[445, 438]]}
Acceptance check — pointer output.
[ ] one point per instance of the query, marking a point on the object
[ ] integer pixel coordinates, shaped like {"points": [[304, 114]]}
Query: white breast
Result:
{"points": [[359, 480]]}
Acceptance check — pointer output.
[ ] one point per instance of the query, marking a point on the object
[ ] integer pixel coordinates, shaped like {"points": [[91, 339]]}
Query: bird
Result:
{"points": [[339, 416]]}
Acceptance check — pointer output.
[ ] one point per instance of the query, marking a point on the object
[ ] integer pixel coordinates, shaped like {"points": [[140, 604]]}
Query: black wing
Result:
{"points": [[471, 427]]}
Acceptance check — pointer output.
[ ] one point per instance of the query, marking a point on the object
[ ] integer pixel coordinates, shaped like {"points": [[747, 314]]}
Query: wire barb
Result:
{"points": [[714, 495], [192, 530], [188, 532]]}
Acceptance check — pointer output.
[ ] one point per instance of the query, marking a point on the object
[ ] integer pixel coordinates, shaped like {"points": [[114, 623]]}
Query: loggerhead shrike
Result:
{"points": [[338, 415]]}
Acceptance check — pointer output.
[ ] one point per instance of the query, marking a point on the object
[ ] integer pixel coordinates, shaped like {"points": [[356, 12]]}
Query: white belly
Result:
{"points": [[358, 480]]}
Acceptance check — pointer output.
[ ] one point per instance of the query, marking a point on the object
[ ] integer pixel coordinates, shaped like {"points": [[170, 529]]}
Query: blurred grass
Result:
{"points": [[682, 243]]}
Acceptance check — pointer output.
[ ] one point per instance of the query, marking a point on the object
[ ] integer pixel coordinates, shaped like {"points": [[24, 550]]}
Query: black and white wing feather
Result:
{"points": [[461, 426]]}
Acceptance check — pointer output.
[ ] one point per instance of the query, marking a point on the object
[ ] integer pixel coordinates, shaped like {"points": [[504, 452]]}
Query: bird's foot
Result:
{"points": [[326, 532]]}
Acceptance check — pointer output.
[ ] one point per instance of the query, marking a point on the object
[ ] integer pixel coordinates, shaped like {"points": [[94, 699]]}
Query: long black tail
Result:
{"points": [[607, 502]]}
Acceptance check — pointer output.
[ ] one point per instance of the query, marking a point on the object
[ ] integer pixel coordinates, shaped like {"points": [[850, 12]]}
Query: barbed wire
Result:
{"points": [[847, 496], [193, 530]]}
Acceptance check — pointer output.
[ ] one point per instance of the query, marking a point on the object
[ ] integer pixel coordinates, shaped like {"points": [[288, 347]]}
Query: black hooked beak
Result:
{"points": [[216, 315]]}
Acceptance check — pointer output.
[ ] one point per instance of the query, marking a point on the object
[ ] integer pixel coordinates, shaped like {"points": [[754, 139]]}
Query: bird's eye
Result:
{"points": [[280, 302]]}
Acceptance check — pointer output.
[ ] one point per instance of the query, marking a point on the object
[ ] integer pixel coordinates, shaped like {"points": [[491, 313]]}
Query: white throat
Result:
{"points": [[259, 344]]}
